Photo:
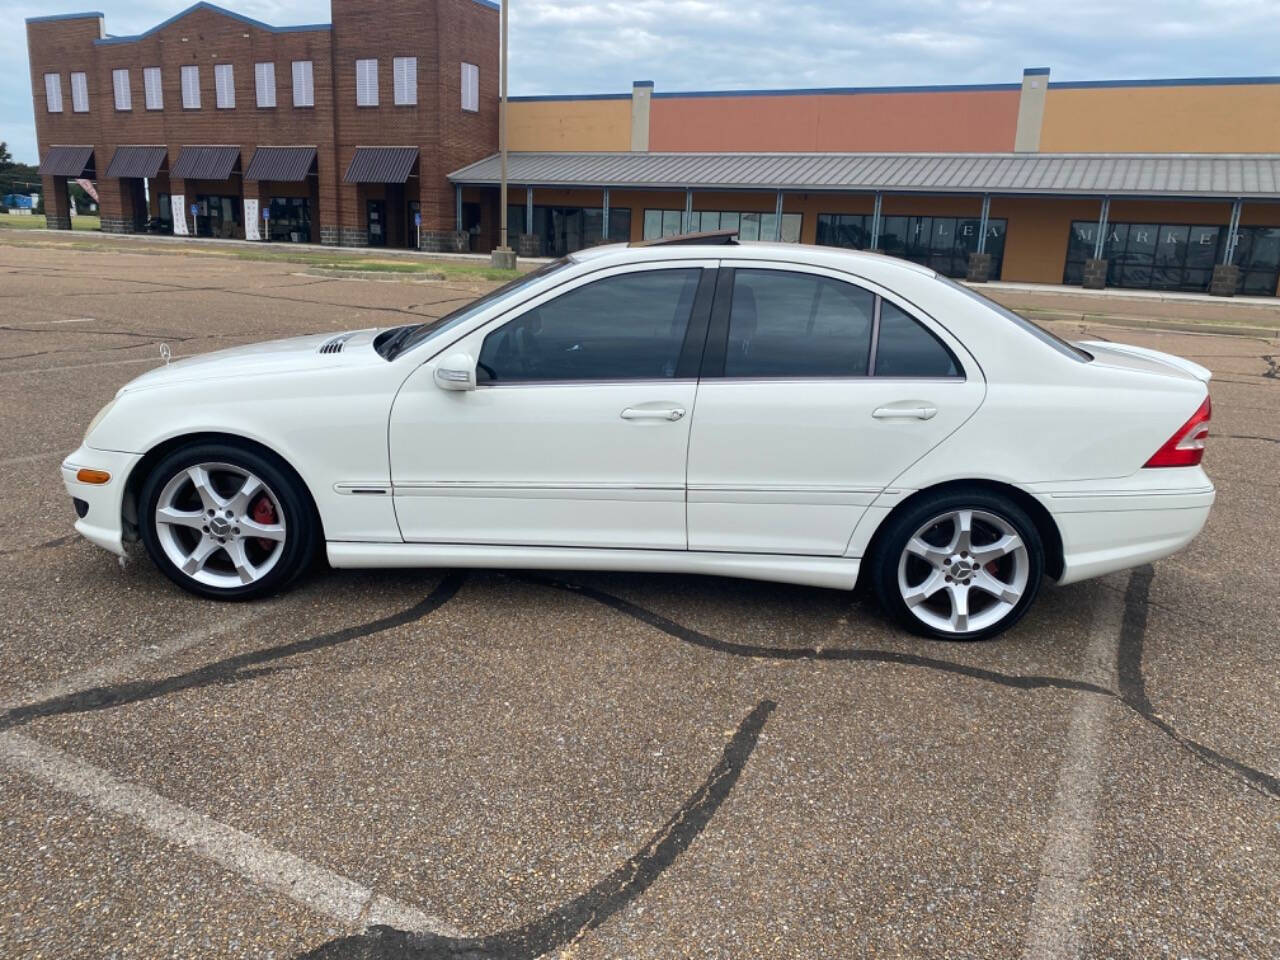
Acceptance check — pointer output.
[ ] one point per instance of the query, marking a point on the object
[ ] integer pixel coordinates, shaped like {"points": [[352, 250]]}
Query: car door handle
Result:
{"points": [[652, 413], [911, 410]]}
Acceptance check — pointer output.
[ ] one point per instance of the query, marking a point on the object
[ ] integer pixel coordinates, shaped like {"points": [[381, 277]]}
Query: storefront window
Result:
{"points": [[750, 226], [218, 216], [563, 230], [1166, 256], [289, 220], [941, 243]]}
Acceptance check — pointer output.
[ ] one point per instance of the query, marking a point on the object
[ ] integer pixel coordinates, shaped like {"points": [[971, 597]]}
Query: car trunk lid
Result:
{"points": [[1143, 359]]}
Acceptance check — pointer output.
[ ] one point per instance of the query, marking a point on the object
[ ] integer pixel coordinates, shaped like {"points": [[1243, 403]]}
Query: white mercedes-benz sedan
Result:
{"points": [[779, 412]]}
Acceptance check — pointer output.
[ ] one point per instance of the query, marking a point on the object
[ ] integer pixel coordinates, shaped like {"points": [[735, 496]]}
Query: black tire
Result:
{"points": [[290, 498], [901, 526]]}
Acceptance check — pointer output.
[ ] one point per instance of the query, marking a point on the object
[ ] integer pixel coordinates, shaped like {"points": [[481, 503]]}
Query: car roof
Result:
{"points": [[839, 258]]}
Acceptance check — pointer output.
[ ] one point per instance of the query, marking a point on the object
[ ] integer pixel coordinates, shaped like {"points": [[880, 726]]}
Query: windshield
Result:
{"points": [[394, 342], [1037, 331]]}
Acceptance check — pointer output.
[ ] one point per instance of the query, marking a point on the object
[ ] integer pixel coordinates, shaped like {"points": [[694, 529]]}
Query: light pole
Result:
{"points": [[504, 256]]}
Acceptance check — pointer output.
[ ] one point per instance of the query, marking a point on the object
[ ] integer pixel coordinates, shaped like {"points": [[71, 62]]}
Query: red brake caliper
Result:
{"points": [[264, 513]]}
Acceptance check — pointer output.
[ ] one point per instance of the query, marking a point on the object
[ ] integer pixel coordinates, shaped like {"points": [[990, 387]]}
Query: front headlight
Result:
{"points": [[97, 419]]}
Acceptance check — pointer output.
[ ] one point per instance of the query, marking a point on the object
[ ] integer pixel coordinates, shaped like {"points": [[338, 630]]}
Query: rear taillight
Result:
{"points": [[1186, 447]]}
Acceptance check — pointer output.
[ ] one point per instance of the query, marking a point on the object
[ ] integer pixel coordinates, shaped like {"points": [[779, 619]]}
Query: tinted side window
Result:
{"points": [[627, 327], [797, 325], [907, 349]]}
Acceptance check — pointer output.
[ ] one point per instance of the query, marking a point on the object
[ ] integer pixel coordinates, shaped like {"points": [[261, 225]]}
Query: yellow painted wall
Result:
{"points": [[1243, 118], [560, 125]]}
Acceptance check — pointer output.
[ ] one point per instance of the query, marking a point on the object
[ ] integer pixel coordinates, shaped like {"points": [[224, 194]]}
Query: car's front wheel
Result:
{"points": [[959, 565], [226, 522]]}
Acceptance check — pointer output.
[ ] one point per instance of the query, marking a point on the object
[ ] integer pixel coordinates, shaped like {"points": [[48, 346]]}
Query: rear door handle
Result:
{"points": [[645, 412], [910, 410]]}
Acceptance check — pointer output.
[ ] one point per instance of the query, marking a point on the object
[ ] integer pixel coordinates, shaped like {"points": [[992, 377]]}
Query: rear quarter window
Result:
{"points": [[907, 348]]}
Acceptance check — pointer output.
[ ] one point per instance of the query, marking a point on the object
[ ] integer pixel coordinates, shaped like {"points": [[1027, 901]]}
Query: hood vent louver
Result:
{"points": [[336, 344]]}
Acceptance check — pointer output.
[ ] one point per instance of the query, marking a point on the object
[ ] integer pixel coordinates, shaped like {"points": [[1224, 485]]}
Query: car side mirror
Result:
{"points": [[456, 372]]}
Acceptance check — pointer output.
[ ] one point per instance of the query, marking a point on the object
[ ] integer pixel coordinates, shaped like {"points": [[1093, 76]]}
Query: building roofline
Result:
{"points": [[205, 5], [87, 15], [1166, 82], [920, 88], [561, 97]]}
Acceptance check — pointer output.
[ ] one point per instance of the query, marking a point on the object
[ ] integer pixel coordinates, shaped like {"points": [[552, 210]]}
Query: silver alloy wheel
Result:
{"points": [[205, 523], [963, 570]]}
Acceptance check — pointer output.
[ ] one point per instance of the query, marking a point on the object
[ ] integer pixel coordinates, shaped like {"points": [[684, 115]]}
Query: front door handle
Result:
{"points": [[652, 413], [908, 410]]}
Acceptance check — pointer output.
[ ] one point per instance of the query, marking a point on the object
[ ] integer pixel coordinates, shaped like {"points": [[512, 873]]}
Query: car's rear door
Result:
{"points": [[817, 390], [577, 432]]}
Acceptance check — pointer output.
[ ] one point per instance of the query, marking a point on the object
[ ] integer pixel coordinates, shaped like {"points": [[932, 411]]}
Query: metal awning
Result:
{"points": [[136, 161], [205, 163], [1227, 176], [381, 165], [281, 164], [66, 161]]}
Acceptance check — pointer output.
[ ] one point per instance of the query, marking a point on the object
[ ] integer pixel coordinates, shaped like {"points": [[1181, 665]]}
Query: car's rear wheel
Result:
{"points": [[959, 565], [226, 522]]}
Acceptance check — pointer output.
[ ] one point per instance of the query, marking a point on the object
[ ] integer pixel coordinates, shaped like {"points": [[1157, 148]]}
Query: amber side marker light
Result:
{"points": [[85, 475]]}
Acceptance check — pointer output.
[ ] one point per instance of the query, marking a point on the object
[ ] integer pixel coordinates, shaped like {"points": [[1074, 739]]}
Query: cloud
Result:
{"points": [[600, 46]]}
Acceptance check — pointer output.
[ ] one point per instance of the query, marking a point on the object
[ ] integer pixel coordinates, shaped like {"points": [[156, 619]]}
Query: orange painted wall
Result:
{"points": [[1209, 118], [555, 125], [957, 121]]}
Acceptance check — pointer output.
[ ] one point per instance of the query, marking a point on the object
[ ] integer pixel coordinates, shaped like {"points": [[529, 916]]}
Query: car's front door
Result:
{"points": [[816, 393], [577, 431]]}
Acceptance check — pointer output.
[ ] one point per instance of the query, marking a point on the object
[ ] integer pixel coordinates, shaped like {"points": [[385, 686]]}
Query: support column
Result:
{"points": [[875, 222], [687, 218], [777, 218], [641, 95], [979, 266], [57, 203], [1095, 269], [528, 244], [1035, 84], [1226, 275], [604, 217]]}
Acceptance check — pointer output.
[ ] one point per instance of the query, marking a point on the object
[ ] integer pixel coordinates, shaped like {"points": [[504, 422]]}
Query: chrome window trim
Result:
{"points": [[612, 382]]}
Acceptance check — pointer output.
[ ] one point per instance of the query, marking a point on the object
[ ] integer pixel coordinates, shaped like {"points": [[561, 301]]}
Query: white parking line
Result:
{"points": [[1058, 913], [121, 666], [82, 366], [322, 890]]}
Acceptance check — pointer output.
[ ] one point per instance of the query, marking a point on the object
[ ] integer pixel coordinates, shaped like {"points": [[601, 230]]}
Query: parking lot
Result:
{"points": [[501, 765]]}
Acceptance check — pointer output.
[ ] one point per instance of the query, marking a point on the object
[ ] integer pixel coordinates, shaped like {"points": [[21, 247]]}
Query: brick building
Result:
{"points": [[342, 132]]}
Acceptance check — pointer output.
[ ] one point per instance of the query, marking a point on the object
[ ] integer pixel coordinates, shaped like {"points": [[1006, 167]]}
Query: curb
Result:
{"points": [[396, 276], [1154, 323]]}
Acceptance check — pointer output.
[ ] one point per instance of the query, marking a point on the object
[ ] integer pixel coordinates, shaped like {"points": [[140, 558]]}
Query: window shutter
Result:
{"points": [[79, 93], [405, 74], [224, 85], [152, 89], [53, 92], [264, 75], [366, 83], [191, 87], [470, 87], [120, 83], [303, 89]]}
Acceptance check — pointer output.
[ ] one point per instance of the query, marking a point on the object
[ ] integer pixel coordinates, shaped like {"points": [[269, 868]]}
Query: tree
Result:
{"points": [[17, 177]]}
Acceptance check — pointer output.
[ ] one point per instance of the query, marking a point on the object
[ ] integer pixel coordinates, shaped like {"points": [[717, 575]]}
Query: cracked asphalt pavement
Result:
{"points": [[495, 764]]}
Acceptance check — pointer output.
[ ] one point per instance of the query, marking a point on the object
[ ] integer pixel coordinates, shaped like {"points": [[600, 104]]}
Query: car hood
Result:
{"points": [[297, 354]]}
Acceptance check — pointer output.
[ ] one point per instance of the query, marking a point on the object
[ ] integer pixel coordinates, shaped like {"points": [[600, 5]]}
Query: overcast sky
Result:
{"points": [[600, 46]]}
